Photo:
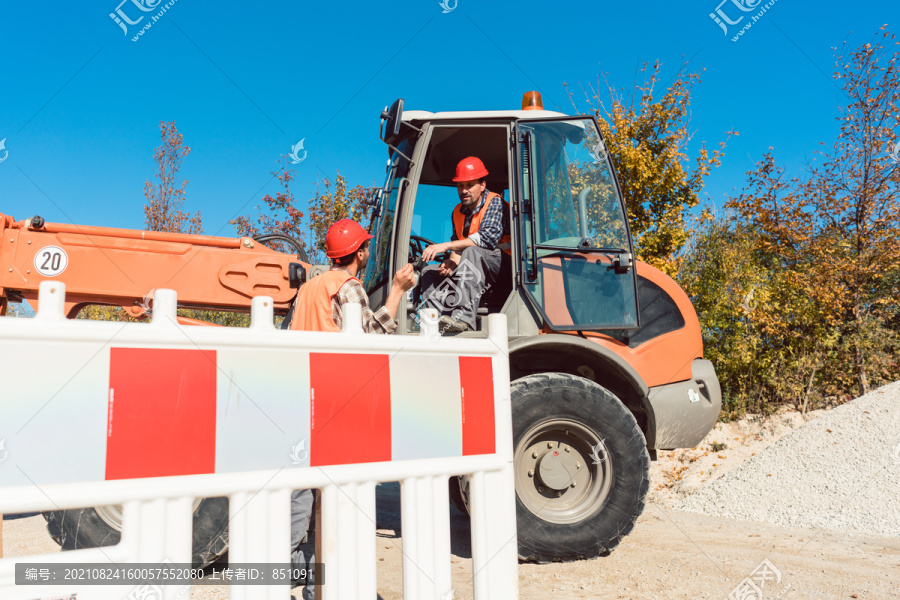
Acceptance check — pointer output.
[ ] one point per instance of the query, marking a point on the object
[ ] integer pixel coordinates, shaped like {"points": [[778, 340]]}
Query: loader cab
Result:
{"points": [[572, 267]]}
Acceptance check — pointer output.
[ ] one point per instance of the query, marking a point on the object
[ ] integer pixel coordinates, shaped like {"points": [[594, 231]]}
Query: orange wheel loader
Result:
{"points": [[605, 352]]}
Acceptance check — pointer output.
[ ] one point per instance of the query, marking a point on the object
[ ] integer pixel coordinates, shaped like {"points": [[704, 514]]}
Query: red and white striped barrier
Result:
{"points": [[153, 415]]}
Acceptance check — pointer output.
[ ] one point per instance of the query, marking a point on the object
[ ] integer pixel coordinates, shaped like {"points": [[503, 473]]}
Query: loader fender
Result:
{"points": [[562, 353]]}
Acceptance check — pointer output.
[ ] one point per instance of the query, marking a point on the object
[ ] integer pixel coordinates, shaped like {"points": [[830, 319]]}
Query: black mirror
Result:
{"points": [[390, 122], [296, 275]]}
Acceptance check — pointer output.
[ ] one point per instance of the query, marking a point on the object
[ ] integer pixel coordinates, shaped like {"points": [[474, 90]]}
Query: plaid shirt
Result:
{"points": [[379, 321], [494, 225]]}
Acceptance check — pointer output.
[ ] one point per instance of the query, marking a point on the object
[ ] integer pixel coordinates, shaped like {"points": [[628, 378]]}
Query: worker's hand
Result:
{"points": [[405, 278], [447, 267], [433, 250]]}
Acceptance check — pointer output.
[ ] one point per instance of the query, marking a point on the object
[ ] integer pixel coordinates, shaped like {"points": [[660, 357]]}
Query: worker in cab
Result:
{"points": [[479, 249], [318, 308], [319, 301]]}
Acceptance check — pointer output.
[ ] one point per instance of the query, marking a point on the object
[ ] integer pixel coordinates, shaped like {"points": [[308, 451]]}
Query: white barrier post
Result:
{"points": [[166, 415], [351, 315], [51, 301], [429, 323], [165, 308], [492, 498], [262, 314]]}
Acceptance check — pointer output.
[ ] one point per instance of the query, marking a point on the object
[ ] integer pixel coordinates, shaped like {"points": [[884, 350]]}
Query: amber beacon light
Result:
{"points": [[532, 101]]}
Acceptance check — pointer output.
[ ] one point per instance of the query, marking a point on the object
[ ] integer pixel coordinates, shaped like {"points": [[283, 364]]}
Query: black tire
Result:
{"points": [[575, 420], [84, 528]]}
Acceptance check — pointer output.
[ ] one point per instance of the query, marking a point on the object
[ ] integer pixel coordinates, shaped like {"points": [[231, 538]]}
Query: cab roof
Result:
{"points": [[513, 115]]}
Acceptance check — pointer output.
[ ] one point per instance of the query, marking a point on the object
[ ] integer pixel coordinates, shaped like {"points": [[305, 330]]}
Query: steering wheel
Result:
{"points": [[417, 245]]}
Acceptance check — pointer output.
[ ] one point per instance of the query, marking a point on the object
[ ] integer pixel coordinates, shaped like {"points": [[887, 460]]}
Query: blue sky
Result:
{"points": [[80, 102]]}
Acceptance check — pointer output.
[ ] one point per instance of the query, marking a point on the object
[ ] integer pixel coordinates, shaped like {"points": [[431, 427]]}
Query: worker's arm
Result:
{"points": [[488, 235], [381, 320], [492, 226], [404, 280], [455, 246], [447, 267]]}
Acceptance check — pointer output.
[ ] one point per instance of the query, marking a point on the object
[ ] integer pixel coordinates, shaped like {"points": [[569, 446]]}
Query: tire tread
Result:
{"points": [[638, 460]]}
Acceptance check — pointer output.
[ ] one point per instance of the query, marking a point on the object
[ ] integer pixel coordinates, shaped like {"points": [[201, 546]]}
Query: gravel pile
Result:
{"points": [[840, 471]]}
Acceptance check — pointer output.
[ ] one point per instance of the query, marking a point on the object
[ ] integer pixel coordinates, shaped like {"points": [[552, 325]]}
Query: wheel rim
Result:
{"points": [[112, 513], [550, 458]]}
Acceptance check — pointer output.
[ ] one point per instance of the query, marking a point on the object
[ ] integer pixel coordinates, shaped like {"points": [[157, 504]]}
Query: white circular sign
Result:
{"points": [[51, 261]]}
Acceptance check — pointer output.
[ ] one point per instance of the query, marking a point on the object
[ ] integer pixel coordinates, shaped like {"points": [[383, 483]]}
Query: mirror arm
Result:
{"points": [[394, 148]]}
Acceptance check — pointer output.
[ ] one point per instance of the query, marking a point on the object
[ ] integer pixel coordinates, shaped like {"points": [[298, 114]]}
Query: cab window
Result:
{"points": [[436, 195]]}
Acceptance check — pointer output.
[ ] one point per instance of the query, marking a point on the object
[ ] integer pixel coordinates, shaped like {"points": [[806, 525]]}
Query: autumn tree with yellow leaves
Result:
{"points": [[819, 255], [646, 133]]}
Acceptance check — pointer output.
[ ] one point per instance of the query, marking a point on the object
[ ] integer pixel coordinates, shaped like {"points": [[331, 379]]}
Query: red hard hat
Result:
{"points": [[469, 169], [345, 237]]}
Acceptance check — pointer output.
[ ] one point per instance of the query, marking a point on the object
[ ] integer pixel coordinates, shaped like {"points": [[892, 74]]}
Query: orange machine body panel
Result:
{"points": [[120, 267], [661, 360]]}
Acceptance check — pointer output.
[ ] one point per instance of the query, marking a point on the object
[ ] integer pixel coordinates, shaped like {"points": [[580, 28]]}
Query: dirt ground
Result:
{"points": [[670, 554]]}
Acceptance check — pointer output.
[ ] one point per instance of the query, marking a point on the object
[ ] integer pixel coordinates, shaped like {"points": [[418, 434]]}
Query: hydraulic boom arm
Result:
{"points": [[120, 267]]}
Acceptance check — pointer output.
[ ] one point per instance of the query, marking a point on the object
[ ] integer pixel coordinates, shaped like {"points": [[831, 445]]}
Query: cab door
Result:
{"points": [[575, 258]]}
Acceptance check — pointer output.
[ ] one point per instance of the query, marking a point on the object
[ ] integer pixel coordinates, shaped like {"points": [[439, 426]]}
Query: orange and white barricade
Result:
{"points": [[155, 415]]}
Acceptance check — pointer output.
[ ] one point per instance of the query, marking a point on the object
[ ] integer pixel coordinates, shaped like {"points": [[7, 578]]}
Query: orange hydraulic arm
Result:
{"points": [[103, 265]]}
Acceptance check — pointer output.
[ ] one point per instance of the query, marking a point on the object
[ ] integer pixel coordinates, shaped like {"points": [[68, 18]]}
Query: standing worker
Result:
{"points": [[319, 301], [318, 308], [480, 243]]}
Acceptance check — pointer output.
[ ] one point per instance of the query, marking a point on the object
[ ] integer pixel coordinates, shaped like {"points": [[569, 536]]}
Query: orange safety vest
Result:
{"points": [[459, 219], [312, 308]]}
